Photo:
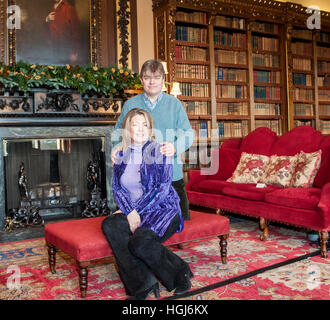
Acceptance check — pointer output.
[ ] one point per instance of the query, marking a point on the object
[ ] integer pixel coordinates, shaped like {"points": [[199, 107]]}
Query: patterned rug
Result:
{"points": [[25, 275]]}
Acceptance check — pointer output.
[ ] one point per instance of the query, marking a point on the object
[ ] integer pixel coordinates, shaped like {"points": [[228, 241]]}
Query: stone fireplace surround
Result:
{"points": [[51, 128]]}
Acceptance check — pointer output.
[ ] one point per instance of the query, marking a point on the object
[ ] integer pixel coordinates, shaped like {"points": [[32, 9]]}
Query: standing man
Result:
{"points": [[172, 126]]}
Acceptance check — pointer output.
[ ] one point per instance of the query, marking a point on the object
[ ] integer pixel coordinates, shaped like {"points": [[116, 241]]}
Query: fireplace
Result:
{"points": [[55, 160]]}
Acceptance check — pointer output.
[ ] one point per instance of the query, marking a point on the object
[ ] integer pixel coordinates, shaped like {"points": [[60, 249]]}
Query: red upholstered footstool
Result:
{"points": [[84, 240]]}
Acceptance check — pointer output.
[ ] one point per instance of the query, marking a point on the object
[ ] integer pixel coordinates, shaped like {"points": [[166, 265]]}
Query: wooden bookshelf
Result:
{"points": [[246, 64]]}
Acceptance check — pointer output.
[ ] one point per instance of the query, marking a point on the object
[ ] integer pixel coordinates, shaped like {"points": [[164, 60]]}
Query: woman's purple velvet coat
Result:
{"points": [[159, 203]]}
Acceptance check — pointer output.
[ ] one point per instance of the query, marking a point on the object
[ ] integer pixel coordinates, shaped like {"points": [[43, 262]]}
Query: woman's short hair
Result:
{"points": [[152, 66], [126, 141]]}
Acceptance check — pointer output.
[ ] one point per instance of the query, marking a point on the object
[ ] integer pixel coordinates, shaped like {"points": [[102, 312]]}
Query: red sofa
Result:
{"points": [[307, 207]]}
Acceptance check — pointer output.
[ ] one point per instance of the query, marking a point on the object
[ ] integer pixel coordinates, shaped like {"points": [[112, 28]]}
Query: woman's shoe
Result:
{"points": [[143, 295], [183, 283]]}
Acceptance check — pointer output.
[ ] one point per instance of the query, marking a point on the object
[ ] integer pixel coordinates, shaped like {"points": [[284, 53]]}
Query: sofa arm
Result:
{"points": [[194, 176], [324, 205]]}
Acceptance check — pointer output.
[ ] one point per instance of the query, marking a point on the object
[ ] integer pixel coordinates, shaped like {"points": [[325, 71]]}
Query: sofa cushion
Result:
{"points": [[259, 141], [280, 171], [301, 198], [228, 160], [301, 138], [306, 169], [247, 191], [250, 168], [209, 186]]}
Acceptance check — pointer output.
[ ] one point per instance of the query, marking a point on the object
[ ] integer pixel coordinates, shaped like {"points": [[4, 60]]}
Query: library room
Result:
{"points": [[173, 150]]}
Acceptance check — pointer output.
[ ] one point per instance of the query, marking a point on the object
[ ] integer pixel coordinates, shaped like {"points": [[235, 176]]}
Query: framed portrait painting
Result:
{"points": [[55, 32]]}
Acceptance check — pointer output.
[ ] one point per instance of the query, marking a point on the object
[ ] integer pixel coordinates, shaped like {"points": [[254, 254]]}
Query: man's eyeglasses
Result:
{"points": [[148, 78]]}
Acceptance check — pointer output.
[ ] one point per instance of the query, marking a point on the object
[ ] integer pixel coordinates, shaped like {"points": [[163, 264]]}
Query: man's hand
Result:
{"points": [[167, 149], [114, 153], [134, 220]]}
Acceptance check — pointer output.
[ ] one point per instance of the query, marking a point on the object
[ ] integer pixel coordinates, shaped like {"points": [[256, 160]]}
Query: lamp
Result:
{"points": [[176, 89], [164, 63]]}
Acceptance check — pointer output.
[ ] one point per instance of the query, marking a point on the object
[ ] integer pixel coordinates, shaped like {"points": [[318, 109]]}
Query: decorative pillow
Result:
{"points": [[280, 170], [250, 168], [306, 169]]}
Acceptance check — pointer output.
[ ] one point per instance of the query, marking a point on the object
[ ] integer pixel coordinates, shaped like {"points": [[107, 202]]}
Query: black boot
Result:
{"points": [[183, 283], [144, 294]]}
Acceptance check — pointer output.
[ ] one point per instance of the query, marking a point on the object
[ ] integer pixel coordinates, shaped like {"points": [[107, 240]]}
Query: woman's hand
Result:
{"points": [[134, 220], [167, 149], [114, 153]]}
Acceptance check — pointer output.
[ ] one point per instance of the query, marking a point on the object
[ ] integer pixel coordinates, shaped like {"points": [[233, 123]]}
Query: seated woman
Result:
{"points": [[149, 213]]}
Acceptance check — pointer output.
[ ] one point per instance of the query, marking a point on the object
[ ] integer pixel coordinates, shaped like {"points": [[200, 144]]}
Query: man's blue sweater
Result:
{"points": [[170, 122]]}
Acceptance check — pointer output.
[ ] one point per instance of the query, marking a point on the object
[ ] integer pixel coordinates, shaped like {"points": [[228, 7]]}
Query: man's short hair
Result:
{"points": [[152, 66]]}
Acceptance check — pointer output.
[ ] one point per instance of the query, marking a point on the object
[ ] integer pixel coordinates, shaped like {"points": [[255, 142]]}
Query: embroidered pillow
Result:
{"points": [[306, 169], [280, 170], [250, 168]]}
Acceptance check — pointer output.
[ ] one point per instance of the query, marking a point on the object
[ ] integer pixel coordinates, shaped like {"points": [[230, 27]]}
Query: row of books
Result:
{"points": [[274, 125], [302, 34], [190, 34], [197, 107], [192, 71], [304, 48], [267, 76], [265, 60], [324, 109], [194, 89], [229, 22], [230, 74], [303, 94], [264, 43], [323, 66], [303, 109], [225, 56], [236, 40], [229, 91], [265, 27], [202, 128], [324, 36], [309, 122], [228, 129], [232, 108], [194, 17], [262, 109], [323, 81], [325, 127], [302, 79], [191, 53], [323, 51], [302, 64], [324, 95], [261, 92]]}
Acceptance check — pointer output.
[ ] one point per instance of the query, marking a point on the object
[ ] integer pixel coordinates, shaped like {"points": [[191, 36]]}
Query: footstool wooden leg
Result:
{"points": [[223, 247], [264, 227], [323, 241], [52, 257], [83, 278]]}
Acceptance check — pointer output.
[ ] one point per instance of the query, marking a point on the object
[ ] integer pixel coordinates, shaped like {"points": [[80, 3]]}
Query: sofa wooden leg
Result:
{"points": [[264, 227], [51, 257], [323, 241], [83, 278], [223, 247]]}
